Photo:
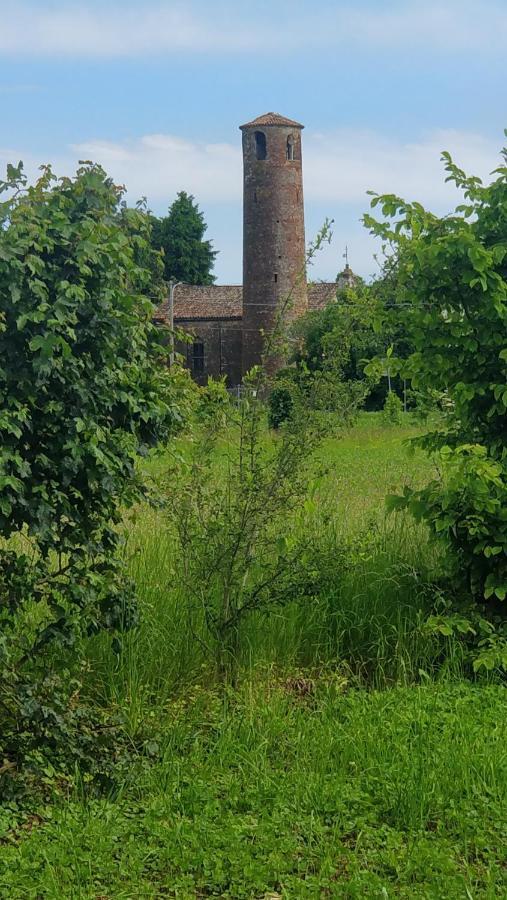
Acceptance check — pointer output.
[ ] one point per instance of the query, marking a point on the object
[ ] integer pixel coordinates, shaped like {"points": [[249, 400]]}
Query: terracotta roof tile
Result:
{"points": [[320, 293], [225, 301], [214, 301], [272, 118]]}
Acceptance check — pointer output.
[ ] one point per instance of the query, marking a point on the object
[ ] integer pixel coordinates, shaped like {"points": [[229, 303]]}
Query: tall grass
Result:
{"points": [[309, 778], [366, 615], [267, 792]]}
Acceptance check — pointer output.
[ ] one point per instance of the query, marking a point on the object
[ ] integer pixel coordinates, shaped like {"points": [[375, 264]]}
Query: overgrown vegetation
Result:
{"points": [[279, 713], [336, 343], [82, 396], [237, 551], [291, 788], [452, 301], [297, 780]]}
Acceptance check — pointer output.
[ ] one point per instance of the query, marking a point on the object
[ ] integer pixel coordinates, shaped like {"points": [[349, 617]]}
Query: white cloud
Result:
{"points": [[159, 165], [339, 167], [144, 28], [344, 164]]}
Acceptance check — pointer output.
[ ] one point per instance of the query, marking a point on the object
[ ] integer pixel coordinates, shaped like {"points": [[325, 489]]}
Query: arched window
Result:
{"points": [[260, 145], [290, 147]]}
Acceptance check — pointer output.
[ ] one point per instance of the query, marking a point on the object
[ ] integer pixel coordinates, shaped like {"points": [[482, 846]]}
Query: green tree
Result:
{"points": [[452, 301], [349, 331], [83, 394], [187, 256]]}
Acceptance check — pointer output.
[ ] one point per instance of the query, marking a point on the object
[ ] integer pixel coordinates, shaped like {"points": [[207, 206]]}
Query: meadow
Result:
{"points": [[355, 755]]}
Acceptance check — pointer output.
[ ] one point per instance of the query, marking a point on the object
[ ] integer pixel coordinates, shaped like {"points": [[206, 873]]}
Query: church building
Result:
{"points": [[229, 324]]}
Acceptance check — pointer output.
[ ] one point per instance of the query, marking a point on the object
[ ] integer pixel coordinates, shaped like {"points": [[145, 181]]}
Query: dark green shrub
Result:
{"points": [[83, 394], [280, 405]]}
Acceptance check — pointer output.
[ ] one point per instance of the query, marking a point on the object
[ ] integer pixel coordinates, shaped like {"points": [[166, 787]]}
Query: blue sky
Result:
{"points": [[156, 91]]}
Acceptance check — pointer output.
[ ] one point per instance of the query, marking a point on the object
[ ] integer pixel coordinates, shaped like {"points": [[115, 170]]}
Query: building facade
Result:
{"points": [[232, 326]]}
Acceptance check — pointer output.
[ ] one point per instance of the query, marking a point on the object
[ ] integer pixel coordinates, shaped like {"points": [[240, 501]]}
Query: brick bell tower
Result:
{"points": [[273, 231]]}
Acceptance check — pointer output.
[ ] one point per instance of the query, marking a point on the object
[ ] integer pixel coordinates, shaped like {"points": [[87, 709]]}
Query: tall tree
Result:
{"points": [[187, 256], [452, 301]]}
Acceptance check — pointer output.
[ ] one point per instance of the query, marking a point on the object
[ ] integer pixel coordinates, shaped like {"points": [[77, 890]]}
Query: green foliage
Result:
{"points": [[213, 402], [237, 551], [367, 581], [280, 405], [341, 339], [392, 414], [294, 786], [298, 780], [452, 300], [187, 256], [83, 394], [342, 334]]}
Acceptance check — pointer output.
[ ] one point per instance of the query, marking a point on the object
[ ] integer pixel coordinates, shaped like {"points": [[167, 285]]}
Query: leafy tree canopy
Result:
{"points": [[83, 393], [347, 333], [452, 302], [180, 234]]}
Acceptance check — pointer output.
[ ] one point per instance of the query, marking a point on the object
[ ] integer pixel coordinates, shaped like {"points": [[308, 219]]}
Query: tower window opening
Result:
{"points": [[290, 147], [255, 196], [197, 357], [260, 145], [276, 277]]}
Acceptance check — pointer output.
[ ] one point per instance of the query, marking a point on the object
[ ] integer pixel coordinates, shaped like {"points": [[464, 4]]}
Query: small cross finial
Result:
{"points": [[346, 256]]}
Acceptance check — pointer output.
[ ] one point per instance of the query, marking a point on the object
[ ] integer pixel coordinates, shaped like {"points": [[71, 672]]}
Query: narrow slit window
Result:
{"points": [[260, 145], [290, 147], [197, 357], [276, 277]]}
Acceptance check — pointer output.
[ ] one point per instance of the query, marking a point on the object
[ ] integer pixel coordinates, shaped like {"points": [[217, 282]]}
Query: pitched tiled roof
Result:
{"points": [[320, 293], [200, 301], [225, 301], [272, 118]]}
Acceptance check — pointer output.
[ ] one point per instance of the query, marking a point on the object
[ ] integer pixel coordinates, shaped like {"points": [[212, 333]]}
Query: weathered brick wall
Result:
{"points": [[273, 237], [222, 342]]}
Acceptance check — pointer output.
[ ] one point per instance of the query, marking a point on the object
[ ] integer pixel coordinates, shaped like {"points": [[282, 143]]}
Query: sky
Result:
{"points": [[156, 91]]}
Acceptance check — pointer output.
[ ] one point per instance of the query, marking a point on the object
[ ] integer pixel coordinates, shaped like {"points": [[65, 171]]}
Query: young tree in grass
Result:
{"points": [[188, 256], [452, 302], [83, 394]]}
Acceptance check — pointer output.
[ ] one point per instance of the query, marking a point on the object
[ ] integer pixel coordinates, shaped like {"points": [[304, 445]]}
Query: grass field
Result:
{"points": [[353, 757]]}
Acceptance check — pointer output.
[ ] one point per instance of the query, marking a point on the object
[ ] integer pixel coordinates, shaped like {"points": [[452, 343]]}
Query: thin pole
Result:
{"points": [[172, 287]]}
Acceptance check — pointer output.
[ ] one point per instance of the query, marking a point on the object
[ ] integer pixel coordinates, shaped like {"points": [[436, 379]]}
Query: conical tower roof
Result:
{"points": [[272, 118]]}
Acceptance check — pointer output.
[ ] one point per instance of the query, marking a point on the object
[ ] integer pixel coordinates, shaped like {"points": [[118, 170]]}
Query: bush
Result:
{"points": [[392, 414], [280, 406], [229, 502], [452, 301], [82, 395]]}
